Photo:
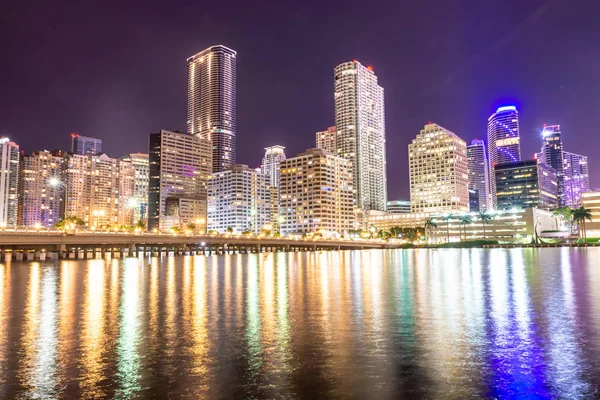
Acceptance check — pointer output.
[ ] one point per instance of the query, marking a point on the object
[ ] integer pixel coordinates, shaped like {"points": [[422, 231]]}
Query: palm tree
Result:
{"points": [[580, 215], [464, 221], [566, 215], [447, 218], [141, 225], [430, 224], [484, 217]]}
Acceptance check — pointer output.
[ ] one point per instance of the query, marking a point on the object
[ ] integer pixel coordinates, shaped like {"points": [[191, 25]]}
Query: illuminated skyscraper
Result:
{"points": [[504, 141], [326, 140], [360, 124], [212, 102], [552, 156], [139, 201], [439, 179], [274, 156], [479, 177], [41, 199], [9, 182], [576, 178], [316, 194], [179, 168]]}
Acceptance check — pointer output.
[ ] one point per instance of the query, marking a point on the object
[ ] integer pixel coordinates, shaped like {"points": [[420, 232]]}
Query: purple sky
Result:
{"points": [[119, 72]]}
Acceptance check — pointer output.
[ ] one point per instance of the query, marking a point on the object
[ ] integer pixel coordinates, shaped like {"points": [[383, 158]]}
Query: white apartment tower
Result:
{"points": [[139, 201], [439, 176], [98, 189], [479, 176], [274, 156], [239, 198], [9, 182], [360, 124], [326, 140], [504, 142], [212, 102], [41, 201], [316, 194]]}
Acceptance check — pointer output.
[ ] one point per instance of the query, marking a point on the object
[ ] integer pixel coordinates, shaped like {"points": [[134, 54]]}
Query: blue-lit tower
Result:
{"points": [[504, 141]]}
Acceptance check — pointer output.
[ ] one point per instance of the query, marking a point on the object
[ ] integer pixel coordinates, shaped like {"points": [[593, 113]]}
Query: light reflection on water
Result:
{"points": [[371, 324]]}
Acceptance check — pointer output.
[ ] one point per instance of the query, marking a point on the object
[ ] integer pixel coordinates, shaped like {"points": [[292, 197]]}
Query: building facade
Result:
{"points": [[504, 142], [360, 125], [274, 156], [85, 145], [139, 201], [239, 199], [180, 164], [326, 140], [479, 176], [591, 201], [316, 194], [398, 206], [439, 179], [576, 178], [9, 183], [97, 190], [212, 102], [41, 197], [526, 184], [552, 156]]}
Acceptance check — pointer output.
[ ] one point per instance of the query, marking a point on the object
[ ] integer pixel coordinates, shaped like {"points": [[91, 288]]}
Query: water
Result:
{"points": [[371, 324]]}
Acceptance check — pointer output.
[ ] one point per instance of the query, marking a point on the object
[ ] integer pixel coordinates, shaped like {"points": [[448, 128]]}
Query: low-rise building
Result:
{"points": [[398, 206], [591, 201]]}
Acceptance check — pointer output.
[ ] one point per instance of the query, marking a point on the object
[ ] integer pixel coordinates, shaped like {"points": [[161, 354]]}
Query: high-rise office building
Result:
{"points": [[212, 102], [439, 178], [552, 156], [326, 140], [41, 194], [398, 207], [180, 164], [504, 142], [316, 194], [576, 177], [479, 176], [274, 156], [525, 184], [239, 198], [360, 124], [85, 145], [9, 182], [98, 189], [141, 167]]}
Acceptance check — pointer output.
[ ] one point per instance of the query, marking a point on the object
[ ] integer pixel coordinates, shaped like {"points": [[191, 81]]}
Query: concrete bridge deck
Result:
{"points": [[40, 245]]}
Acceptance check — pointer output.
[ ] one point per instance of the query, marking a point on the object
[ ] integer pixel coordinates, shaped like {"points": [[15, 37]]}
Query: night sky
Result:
{"points": [[119, 72]]}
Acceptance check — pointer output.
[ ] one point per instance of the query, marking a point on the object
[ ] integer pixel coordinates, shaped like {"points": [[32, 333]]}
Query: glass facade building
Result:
{"points": [[526, 184], [84, 145], [479, 177]]}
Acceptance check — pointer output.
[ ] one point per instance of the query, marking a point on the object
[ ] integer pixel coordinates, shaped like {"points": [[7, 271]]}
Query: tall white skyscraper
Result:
{"points": [[439, 176], [504, 141], [552, 156], [9, 182], [212, 102], [274, 156], [360, 124], [479, 176]]}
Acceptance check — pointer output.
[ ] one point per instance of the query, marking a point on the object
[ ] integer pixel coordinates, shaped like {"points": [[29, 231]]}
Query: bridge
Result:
{"points": [[42, 245]]}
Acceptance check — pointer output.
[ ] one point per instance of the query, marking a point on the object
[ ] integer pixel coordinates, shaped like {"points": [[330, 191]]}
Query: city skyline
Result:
{"points": [[285, 72]]}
